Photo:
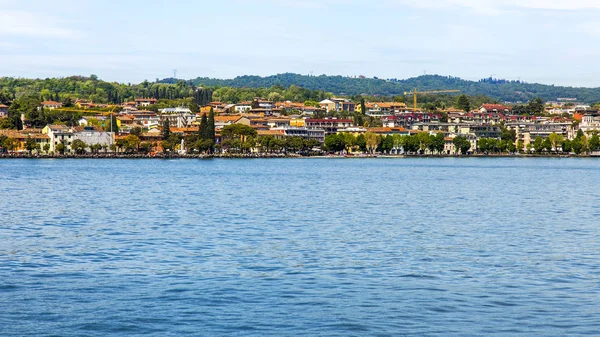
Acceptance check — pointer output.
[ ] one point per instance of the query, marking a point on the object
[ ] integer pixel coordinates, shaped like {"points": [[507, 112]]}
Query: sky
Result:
{"points": [[543, 41]]}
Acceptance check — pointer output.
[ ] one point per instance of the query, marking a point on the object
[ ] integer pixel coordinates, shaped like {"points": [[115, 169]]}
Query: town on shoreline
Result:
{"points": [[261, 127]]}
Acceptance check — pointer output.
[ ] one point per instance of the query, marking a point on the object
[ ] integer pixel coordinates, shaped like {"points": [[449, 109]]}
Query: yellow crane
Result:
{"points": [[415, 93]]}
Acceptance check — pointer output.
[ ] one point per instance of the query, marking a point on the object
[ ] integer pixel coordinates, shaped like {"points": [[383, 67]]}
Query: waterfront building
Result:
{"points": [[180, 117], [330, 126]]}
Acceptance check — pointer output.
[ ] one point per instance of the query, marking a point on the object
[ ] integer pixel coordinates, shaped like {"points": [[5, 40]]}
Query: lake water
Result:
{"points": [[288, 247]]}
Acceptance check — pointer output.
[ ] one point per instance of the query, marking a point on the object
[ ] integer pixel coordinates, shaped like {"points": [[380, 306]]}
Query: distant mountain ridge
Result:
{"points": [[501, 90]]}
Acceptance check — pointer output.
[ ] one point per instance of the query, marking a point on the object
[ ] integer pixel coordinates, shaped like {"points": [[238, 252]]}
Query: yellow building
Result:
{"points": [[297, 122]]}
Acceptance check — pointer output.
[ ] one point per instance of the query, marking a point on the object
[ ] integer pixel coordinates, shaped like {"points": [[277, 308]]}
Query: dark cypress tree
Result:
{"points": [[203, 131], [363, 107], [211, 125], [166, 129]]}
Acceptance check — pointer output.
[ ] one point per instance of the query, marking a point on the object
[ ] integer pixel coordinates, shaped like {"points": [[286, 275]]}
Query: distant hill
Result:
{"points": [[501, 90]]}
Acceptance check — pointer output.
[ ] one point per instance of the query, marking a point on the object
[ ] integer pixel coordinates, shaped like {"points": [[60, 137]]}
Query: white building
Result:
{"points": [[243, 107], [179, 117], [92, 136]]}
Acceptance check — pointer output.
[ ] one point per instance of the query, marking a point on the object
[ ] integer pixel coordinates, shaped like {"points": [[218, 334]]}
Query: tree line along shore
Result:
{"points": [[45, 118]]}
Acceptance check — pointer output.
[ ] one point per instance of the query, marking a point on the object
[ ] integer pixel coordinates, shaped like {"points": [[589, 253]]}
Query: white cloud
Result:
{"points": [[30, 24]]}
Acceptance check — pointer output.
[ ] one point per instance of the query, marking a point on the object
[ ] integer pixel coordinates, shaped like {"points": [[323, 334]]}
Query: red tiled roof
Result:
{"points": [[498, 107]]}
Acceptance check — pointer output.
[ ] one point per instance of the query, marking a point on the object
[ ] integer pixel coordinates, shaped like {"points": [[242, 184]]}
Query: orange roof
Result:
{"points": [[498, 107], [184, 130], [270, 132], [225, 119], [51, 103], [379, 130]]}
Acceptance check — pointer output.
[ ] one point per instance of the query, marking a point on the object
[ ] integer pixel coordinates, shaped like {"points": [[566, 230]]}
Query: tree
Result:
{"points": [[372, 141], [463, 103], [203, 131], [46, 148], [577, 146], [349, 141], [145, 147], [520, 146], [211, 125], [95, 148], [387, 144], [132, 143], [166, 129], [411, 143], [136, 131], [538, 144], [31, 145], [509, 135], [566, 146], [363, 107], [60, 148], [113, 125], [594, 143], [358, 119], [437, 143], [536, 106], [334, 142], [461, 144], [424, 140], [361, 143], [547, 145], [555, 140], [78, 146]]}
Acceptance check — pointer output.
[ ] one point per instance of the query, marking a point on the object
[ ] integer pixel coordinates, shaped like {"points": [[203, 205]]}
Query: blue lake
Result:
{"points": [[288, 247]]}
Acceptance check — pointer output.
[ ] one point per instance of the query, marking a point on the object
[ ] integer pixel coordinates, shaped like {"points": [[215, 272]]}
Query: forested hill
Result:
{"points": [[502, 90]]}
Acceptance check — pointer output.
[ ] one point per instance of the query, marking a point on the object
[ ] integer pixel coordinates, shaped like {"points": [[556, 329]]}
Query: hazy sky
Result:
{"points": [[547, 41]]}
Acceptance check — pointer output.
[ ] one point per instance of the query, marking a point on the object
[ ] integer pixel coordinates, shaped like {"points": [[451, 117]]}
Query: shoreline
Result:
{"points": [[275, 156]]}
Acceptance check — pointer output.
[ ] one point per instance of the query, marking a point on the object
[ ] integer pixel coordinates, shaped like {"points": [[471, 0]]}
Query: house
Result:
{"points": [[3, 110], [263, 104], [389, 121], [449, 147], [497, 108], [330, 126], [179, 117], [24, 135], [223, 121], [185, 131], [589, 123], [91, 120], [384, 108], [277, 134], [83, 104], [92, 136], [59, 134], [51, 105], [328, 105], [278, 122], [243, 107], [297, 122], [317, 134], [144, 102], [348, 106], [147, 119]]}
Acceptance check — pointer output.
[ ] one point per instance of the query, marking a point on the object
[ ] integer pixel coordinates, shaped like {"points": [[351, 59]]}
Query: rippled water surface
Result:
{"points": [[329, 247]]}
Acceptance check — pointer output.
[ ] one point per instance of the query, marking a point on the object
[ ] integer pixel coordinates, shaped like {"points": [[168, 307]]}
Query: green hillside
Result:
{"points": [[501, 90]]}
